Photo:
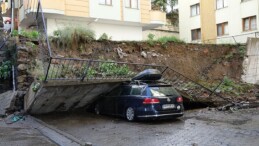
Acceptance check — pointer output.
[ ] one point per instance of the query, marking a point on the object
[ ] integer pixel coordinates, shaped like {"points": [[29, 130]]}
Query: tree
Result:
{"points": [[164, 4]]}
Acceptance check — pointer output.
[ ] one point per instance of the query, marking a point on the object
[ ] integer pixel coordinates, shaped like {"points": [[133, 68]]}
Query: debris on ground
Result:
{"points": [[15, 117], [121, 53], [238, 105], [143, 54]]}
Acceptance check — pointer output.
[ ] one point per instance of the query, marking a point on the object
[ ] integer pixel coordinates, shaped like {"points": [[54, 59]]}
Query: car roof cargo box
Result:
{"points": [[148, 74]]}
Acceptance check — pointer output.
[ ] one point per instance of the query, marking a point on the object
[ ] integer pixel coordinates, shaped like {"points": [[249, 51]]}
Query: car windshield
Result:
{"points": [[162, 91]]}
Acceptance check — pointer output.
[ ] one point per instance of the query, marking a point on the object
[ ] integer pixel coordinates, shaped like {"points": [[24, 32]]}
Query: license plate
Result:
{"points": [[168, 106]]}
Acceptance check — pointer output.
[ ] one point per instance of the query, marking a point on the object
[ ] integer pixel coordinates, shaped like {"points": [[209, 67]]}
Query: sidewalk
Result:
{"points": [[21, 134]]}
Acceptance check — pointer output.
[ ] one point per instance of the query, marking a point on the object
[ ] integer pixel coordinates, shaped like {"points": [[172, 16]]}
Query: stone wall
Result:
{"points": [[24, 78]]}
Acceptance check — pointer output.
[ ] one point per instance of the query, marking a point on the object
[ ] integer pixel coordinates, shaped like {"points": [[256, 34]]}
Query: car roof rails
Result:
{"points": [[138, 82]]}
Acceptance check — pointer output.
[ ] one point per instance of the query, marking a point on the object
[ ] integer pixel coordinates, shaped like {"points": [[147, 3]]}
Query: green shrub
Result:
{"points": [[242, 51], [164, 40], [232, 87], [15, 33], [104, 37], [74, 35], [29, 34], [5, 69], [108, 68], [150, 40]]}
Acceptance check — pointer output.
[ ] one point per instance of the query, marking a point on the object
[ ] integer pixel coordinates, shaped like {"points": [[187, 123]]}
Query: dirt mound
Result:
{"points": [[210, 62]]}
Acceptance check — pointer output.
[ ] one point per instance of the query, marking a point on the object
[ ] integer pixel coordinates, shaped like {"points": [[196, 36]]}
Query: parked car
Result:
{"points": [[141, 100]]}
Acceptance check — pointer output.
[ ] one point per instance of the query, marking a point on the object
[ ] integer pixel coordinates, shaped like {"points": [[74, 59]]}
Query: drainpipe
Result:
{"points": [[12, 24]]}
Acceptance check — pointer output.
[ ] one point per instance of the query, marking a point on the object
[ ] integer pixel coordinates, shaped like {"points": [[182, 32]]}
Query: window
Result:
{"points": [[163, 91], [105, 2], [222, 4], [131, 4], [222, 29], [195, 9], [244, 0], [249, 23], [136, 90], [196, 34]]}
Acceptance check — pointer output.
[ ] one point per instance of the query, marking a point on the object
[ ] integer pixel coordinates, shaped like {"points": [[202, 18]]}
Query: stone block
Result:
{"points": [[22, 67]]}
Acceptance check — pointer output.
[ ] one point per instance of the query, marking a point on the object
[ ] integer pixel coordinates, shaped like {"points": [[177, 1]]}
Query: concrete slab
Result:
{"points": [[65, 95], [6, 101]]}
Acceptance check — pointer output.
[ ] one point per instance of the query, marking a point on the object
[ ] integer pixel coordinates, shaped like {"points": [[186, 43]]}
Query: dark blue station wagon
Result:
{"points": [[141, 100]]}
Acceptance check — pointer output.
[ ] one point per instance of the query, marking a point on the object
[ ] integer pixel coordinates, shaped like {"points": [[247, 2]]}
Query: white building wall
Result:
{"points": [[116, 32], [233, 14], [112, 12], [186, 22], [132, 15]]}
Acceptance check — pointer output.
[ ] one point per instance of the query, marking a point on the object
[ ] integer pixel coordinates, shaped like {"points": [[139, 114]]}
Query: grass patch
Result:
{"points": [[72, 36], [162, 40]]}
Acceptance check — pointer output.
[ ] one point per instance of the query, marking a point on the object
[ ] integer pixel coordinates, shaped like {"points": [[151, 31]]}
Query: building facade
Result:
{"points": [[119, 19], [218, 21]]}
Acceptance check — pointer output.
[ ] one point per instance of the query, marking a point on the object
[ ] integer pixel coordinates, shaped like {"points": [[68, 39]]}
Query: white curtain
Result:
{"points": [[246, 24], [219, 4], [226, 28], [253, 23], [219, 29]]}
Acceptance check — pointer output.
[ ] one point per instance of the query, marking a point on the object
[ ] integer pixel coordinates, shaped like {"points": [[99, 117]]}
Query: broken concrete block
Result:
{"points": [[144, 54], [7, 100]]}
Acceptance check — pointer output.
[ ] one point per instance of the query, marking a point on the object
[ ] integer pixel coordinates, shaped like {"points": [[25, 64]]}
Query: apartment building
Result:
{"points": [[218, 21], [120, 19]]}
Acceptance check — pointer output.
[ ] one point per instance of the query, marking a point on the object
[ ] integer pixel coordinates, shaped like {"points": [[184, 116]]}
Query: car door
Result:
{"points": [[121, 100], [110, 101]]}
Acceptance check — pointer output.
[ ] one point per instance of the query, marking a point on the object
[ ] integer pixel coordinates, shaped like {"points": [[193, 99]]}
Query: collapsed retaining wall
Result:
{"points": [[65, 95]]}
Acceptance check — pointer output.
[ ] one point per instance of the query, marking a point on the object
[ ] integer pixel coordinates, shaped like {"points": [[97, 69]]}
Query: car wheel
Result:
{"points": [[130, 114], [97, 109]]}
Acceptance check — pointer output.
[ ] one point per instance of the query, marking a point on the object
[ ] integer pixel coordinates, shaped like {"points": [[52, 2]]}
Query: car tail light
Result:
{"points": [[179, 99], [151, 101]]}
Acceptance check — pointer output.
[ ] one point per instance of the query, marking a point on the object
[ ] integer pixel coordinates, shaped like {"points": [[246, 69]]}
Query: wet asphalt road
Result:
{"points": [[196, 128]]}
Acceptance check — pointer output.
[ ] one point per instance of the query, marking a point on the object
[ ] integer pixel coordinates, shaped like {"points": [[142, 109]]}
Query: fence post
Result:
{"points": [[86, 71], [47, 72], [164, 70], [234, 39]]}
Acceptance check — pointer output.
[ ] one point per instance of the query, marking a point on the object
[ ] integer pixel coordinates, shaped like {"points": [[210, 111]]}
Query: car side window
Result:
{"points": [[115, 92], [126, 90], [136, 91]]}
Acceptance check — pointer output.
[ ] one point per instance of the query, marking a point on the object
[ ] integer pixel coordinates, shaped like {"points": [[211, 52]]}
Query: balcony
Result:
{"points": [[157, 17]]}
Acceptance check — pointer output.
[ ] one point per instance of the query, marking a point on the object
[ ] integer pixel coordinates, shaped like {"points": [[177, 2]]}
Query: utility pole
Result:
{"points": [[12, 24]]}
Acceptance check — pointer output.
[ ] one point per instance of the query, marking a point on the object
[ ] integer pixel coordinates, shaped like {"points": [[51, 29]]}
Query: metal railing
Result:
{"points": [[235, 39], [191, 88], [84, 69]]}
